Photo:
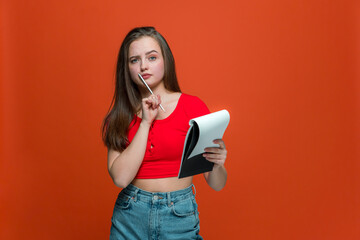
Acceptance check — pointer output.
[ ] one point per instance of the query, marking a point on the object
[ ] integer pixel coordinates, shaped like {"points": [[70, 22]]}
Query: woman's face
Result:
{"points": [[145, 57]]}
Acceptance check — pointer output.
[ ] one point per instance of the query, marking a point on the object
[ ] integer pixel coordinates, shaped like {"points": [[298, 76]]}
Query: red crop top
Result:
{"points": [[166, 138]]}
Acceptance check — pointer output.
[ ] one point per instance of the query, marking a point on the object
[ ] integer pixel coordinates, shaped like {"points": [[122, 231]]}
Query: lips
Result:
{"points": [[146, 76]]}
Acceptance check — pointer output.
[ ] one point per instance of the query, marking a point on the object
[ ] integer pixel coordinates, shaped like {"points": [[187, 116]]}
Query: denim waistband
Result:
{"points": [[138, 194]]}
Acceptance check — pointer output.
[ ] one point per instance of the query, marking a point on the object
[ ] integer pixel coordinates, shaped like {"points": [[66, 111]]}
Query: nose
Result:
{"points": [[144, 65]]}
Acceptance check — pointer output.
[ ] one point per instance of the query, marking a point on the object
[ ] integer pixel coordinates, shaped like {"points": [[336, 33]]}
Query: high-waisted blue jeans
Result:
{"points": [[142, 215]]}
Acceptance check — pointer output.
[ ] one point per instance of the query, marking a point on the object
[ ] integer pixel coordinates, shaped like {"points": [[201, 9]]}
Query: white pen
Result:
{"points": [[149, 89]]}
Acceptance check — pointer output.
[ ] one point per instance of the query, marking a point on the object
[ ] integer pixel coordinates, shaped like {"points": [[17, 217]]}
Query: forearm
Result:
{"points": [[216, 179], [126, 165]]}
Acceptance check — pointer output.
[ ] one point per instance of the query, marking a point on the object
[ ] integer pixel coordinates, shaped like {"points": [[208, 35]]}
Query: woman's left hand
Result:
{"points": [[216, 155]]}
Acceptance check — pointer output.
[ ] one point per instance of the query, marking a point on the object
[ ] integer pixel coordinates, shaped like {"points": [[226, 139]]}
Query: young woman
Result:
{"points": [[145, 144]]}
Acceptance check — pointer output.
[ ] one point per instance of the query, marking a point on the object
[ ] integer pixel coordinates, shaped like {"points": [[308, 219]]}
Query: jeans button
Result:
{"points": [[156, 197]]}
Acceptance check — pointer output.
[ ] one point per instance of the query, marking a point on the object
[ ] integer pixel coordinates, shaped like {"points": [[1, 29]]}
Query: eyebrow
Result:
{"points": [[147, 53]]}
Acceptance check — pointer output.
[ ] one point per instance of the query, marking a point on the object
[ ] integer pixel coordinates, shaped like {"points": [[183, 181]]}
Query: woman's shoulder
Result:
{"points": [[193, 106], [191, 99]]}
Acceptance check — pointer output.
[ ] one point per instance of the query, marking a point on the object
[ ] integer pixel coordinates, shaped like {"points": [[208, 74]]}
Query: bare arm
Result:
{"points": [[216, 179], [124, 166]]}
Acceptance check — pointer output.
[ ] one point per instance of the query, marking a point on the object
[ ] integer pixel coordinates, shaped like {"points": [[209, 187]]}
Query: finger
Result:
{"points": [[213, 150], [220, 162], [149, 99], [152, 102], [214, 156], [155, 102], [158, 98], [146, 103], [220, 142]]}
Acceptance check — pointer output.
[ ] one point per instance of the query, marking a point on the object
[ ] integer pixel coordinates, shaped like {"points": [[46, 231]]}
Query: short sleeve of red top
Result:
{"points": [[166, 138]]}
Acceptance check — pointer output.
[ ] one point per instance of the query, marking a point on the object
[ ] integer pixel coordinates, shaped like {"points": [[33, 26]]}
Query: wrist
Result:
{"points": [[145, 124], [217, 167]]}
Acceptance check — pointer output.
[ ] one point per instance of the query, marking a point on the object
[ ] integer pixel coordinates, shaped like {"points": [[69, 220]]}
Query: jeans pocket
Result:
{"points": [[184, 208], [123, 201]]}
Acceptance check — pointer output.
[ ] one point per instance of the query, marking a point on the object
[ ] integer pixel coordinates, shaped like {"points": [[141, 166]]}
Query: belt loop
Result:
{"points": [[135, 194], [193, 186], [168, 198]]}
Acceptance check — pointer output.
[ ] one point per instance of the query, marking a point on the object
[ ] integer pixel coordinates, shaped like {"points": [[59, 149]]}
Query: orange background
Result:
{"points": [[288, 72]]}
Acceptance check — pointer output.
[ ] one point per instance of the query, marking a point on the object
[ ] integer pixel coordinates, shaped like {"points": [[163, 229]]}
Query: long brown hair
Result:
{"points": [[126, 101]]}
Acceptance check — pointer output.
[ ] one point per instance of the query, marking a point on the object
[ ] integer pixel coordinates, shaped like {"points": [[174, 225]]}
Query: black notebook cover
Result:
{"points": [[196, 164]]}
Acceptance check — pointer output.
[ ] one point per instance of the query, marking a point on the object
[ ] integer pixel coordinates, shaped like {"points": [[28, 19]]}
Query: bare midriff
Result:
{"points": [[162, 184]]}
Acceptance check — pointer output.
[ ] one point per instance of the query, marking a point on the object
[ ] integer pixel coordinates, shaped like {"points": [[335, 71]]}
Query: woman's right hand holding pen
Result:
{"points": [[150, 108]]}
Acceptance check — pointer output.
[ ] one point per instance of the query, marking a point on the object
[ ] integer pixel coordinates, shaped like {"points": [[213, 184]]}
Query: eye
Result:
{"points": [[152, 58], [134, 60]]}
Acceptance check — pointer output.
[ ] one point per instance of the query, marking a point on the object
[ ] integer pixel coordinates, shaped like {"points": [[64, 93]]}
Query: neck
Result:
{"points": [[157, 90]]}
